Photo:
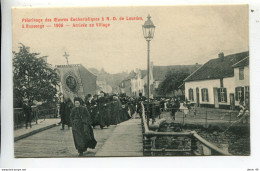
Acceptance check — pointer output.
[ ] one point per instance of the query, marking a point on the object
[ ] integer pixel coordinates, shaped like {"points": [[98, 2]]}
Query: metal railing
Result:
{"points": [[45, 113], [20, 118], [148, 146], [204, 116]]}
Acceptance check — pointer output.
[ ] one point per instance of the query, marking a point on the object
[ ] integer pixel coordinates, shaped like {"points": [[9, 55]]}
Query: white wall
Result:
{"points": [[137, 85], [244, 82], [209, 84], [229, 84]]}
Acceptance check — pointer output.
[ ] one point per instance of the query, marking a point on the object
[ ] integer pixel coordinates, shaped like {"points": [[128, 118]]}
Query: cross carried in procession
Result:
{"points": [[66, 56]]}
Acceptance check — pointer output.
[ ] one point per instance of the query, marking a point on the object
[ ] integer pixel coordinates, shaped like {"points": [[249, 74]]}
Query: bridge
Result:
{"points": [[130, 138], [124, 139]]}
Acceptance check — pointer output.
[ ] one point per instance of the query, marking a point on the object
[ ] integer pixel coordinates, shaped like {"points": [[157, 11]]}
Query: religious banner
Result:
{"points": [[76, 81]]}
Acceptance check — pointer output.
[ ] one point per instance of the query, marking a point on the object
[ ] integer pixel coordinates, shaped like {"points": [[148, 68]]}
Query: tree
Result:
{"points": [[172, 81], [33, 78]]}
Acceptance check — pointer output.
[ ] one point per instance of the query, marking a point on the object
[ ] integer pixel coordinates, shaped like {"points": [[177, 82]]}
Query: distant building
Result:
{"points": [[103, 86], [159, 74], [136, 82], [76, 81], [133, 84], [221, 82]]}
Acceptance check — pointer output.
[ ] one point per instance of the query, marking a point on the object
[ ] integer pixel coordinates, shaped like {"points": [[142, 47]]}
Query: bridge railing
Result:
{"points": [[149, 136], [20, 117], [204, 116]]}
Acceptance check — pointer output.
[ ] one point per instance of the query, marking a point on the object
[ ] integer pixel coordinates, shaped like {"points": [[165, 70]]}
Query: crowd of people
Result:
{"points": [[174, 105], [106, 110], [102, 110]]}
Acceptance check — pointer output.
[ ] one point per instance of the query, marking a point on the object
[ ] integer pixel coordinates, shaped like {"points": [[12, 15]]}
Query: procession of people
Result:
{"points": [[103, 110], [100, 110]]}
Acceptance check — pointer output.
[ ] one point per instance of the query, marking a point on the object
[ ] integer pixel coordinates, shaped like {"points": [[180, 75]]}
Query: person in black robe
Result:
{"points": [[62, 113], [90, 106], [101, 110], [114, 111], [81, 128], [66, 116], [28, 114], [95, 112], [118, 109], [174, 108], [107, 111], [124, 115]]}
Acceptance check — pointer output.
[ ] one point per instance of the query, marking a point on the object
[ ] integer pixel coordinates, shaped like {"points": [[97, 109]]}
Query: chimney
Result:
{"points": [[221, 56]]}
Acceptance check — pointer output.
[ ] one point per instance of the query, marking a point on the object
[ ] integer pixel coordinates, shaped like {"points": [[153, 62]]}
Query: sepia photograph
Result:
{"points": [[140, 81]]}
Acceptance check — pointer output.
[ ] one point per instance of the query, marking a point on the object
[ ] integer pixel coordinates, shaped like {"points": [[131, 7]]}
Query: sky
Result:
{"points": [[183, 35]]}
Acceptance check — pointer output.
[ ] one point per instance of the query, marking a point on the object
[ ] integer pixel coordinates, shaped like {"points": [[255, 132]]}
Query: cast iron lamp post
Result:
{"points": [[148, 31]]}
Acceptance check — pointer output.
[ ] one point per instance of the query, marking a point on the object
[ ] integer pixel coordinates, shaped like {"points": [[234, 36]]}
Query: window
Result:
{"points": [[222, 95], [239, 93], [191, 97], [241, 73], [205, 96]]}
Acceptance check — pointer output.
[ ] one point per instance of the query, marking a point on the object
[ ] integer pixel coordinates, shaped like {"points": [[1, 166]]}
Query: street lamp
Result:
{"points": [[148, 31]]}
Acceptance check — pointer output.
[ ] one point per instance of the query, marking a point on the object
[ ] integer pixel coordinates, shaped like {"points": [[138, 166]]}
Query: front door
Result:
{"points": [[216, 97], [232, 101], [198, 97]]}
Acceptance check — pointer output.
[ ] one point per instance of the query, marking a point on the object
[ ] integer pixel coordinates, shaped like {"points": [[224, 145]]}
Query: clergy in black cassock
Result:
{"points": [[81, 128]]}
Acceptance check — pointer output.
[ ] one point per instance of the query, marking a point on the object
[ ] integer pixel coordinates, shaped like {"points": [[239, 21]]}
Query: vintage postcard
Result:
{"points": [[131, 81]]}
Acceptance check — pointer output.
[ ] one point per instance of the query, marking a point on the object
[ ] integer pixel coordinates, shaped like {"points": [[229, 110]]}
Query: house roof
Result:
{"points": [[217, 68], [130, 76], [159, 72], [242, 63]]}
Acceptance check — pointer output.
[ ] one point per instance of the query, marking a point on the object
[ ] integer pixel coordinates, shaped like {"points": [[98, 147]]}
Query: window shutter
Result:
{"points": [[243, 94], [225, 94], [202, 94], [236, 91], [219, 96], [192, 96], [207, 95], [189, 94]]}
